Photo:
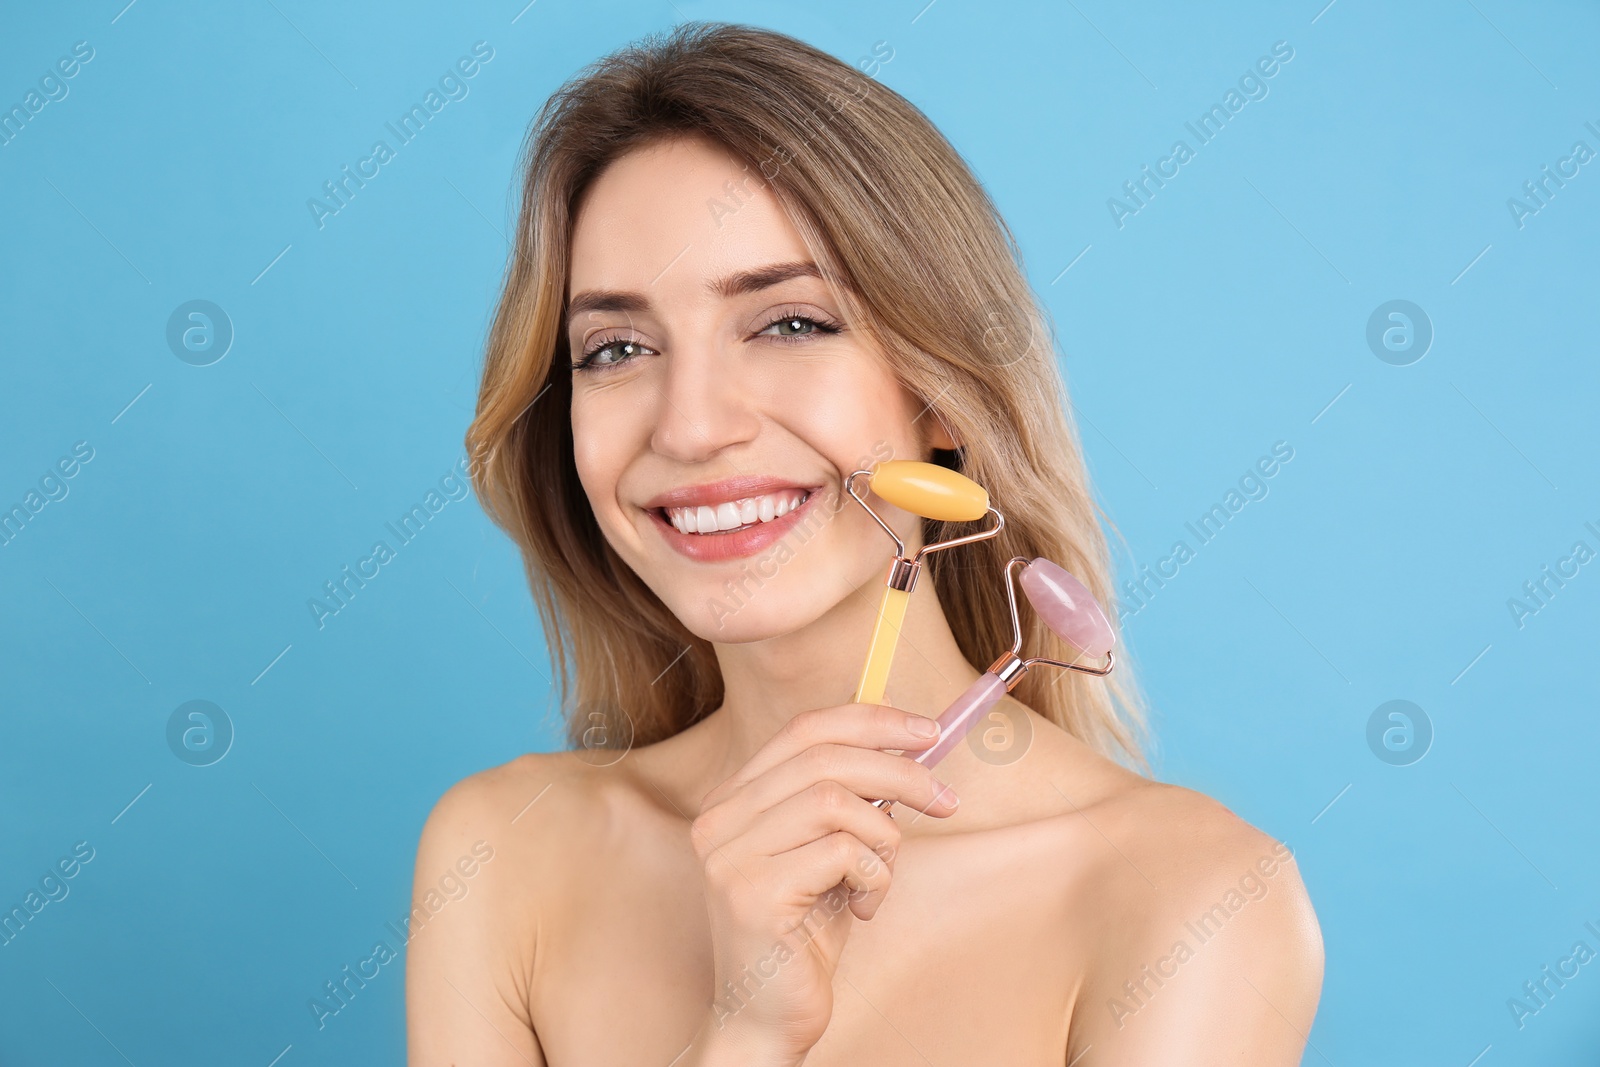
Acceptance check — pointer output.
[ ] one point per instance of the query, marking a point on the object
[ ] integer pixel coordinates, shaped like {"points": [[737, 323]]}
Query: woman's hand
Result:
{"points": [[786, 846]]}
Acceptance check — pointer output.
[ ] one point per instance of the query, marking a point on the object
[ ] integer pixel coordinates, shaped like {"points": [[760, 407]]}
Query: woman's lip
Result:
{"points": [[735, 544], [729, 489]]}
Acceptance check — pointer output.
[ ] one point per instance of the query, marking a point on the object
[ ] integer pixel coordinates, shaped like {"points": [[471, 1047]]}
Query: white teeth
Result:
{"points": [[732, 514]]}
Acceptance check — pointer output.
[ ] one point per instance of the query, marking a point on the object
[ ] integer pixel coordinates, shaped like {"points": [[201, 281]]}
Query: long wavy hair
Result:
{"points": [[925, 267]]}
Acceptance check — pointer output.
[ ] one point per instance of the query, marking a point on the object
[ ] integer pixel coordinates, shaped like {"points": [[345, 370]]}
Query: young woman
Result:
{"points": [[742, 271]]}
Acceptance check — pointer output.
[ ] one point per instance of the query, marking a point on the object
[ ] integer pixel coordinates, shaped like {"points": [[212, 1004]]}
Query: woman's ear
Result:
{"points": [[940, 436]]}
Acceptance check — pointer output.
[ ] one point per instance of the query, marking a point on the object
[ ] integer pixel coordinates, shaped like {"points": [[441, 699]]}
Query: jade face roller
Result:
{"points": [[1071, 613], [932, 492]]}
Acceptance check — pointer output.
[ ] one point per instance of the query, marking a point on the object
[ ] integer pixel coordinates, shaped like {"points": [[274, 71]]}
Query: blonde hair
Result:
{"points": [[927, 269]]}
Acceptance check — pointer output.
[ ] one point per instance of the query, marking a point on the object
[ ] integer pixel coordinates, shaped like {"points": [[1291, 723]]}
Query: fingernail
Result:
{"points": [[922, 726], [948, 795]]}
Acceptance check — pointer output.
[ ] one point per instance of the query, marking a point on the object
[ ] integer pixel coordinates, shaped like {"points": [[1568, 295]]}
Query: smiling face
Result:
{"points": [[721, 397]]}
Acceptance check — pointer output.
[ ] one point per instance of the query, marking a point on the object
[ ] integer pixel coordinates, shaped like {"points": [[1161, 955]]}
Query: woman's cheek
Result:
{"points": [[838, 405], [599, 451]]}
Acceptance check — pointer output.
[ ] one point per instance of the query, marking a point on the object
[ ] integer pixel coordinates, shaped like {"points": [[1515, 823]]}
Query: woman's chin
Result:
{"points": [[722, 622], [735, 616]]}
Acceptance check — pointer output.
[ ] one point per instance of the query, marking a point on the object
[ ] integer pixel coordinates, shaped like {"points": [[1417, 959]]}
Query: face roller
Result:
{"points": [[1071, 613], [932, 492]]}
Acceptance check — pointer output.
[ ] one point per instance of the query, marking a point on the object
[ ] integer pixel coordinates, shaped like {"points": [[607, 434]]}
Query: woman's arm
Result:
{"points": [[470, 948]]}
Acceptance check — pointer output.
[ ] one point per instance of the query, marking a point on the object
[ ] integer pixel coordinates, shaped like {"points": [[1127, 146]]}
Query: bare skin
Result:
{"points": [[1064, 911]]}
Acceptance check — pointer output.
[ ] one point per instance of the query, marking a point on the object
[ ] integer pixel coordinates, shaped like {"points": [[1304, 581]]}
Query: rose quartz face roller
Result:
{"points": [[1072, 614]]}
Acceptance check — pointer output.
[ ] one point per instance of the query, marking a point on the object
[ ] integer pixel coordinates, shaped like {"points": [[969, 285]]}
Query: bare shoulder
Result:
{"points": [[492, 853], [480, 795], [1188, 838], [524, 809], [553, 818], [1213, 953], [479, 853]]}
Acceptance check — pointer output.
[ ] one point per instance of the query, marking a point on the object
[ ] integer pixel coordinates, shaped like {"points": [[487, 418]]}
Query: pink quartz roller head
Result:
{"points": [[1072, 614]]}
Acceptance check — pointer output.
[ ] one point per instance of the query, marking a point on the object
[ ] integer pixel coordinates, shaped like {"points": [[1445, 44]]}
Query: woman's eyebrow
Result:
{"points": [[749, 281], [736, 284], [605, 300]]}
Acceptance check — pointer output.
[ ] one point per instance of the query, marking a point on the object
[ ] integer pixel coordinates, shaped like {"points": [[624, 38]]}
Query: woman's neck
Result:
{"points": [[766, 683]]}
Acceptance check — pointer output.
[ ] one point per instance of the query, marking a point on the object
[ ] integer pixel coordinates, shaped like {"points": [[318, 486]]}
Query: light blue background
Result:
{"points": [[1226, 315]]}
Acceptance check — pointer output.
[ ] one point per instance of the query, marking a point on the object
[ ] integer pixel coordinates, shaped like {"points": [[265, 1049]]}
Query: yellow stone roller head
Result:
{"points": [[929, 490]]}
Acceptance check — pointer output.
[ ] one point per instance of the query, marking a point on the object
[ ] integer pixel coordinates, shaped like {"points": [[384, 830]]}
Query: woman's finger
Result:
{"points": [[823, 808], [867, 773], [873, 726], [817, 868]]}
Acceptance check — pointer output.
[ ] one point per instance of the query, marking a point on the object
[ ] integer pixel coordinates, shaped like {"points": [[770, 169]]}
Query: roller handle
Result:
{"points": [[880, 654]]}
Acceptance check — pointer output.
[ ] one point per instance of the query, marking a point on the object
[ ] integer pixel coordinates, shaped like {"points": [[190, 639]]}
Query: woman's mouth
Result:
{"points": [[733, 529], [735, 515]]}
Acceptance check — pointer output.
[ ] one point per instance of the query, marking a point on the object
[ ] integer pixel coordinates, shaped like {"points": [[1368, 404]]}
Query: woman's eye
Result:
{"points": [[793, 327], [611, 354]]}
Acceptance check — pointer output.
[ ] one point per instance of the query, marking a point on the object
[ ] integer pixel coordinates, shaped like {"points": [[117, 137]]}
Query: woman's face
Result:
{"points": [[722, 397]]}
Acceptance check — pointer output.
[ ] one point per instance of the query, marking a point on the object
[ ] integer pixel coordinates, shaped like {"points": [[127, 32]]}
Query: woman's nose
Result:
{"points": [[703, 407]]}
